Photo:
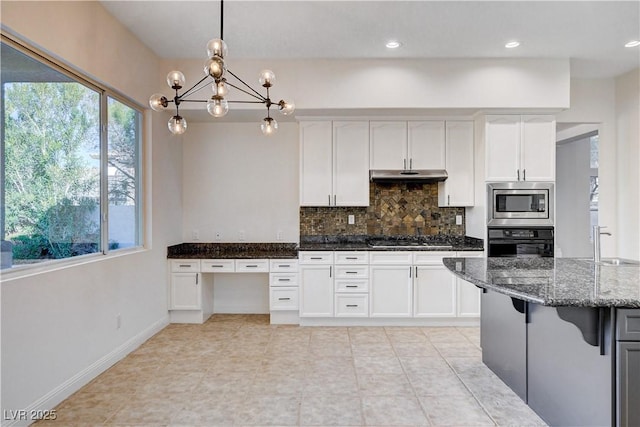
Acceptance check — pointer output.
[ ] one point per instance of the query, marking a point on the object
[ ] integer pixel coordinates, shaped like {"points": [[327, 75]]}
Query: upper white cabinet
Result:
{"points": [[334, 163], [407, 145], [520, 148], [458, 189]]}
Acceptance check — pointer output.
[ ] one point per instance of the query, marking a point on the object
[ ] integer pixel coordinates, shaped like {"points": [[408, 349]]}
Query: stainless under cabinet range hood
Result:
{"points": [[410, 175]]}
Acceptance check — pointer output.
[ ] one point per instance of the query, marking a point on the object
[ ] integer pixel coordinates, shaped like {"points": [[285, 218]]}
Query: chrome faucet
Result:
{"points": [[596, 241]]}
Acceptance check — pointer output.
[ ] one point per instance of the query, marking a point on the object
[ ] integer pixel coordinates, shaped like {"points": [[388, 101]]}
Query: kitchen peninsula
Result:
{"points": [[563, 333]]}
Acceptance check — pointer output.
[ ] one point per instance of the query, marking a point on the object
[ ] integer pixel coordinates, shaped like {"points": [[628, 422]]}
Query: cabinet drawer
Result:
{"points": [[283, 298], [252, 266], [391, 257], [628, 324], [352, 305], [353, 285], [351, 257], [283, 265], [325, 257], [218, 265], [185, 265], [283, 279], [351, 271], [433, 258]]}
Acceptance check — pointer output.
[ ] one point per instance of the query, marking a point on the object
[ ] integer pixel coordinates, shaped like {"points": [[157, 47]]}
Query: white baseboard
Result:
{"points": [[82, 378], [378, 321]]}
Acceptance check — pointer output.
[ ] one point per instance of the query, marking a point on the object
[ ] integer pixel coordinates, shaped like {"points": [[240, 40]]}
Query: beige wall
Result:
{"points": [[59, 325], [627, 109]]}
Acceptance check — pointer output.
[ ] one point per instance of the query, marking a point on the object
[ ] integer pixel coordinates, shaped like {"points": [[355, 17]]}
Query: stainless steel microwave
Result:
{"points": [[520, 203]]}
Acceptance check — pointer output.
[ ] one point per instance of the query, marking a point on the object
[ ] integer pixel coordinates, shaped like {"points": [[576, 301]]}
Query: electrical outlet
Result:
{"points": [[241, 235], [195, 234], [279, 235], [217, 235], [458, 219], [118, 321], [351, 219]]}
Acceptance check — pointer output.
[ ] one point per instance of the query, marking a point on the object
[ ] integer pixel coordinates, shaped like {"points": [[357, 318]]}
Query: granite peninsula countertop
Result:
{"points": [[362, 243], [233, 250], [553, 281]]}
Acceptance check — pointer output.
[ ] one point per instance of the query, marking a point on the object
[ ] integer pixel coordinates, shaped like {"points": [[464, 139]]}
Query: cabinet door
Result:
{"points": [[388, 142], [538, 162], [185, 291], [503, 148], [468, 294], [390, 291], [315, 163], [426, 144], [351, 163], [458, 189], [316, 291], [434, 292]]}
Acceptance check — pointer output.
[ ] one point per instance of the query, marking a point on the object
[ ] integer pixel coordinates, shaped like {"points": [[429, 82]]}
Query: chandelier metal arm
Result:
{"points": [[187, 92], [261, 98], [243, 82], [245, 102]]}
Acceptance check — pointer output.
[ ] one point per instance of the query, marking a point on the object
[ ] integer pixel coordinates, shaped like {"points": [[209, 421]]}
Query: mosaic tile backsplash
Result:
{"points": [[395, 209]]}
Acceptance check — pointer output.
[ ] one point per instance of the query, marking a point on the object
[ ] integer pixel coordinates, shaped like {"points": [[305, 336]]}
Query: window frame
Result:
{"points": [[105, 93]]}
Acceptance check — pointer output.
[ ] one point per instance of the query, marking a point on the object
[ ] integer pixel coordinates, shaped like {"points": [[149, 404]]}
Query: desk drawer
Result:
{"points": [[252, 266], [283, 298], [185, 265], [352, 257], [352, 271], [352, 305], [283, 279], [283, 265], [218, 265]]}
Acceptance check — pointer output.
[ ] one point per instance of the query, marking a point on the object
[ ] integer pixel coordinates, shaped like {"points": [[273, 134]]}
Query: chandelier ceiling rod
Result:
{"points": [[218, 105]]}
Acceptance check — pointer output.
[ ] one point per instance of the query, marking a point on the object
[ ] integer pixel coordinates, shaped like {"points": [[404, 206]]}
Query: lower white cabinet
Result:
{"points": [[352, 305], [185, 291], [390, 291], [468, 302], [434, 292], [283, 298], [316, 290]]}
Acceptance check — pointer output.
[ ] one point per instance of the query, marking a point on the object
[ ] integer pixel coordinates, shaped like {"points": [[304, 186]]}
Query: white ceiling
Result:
{"points": [[591, 33]]}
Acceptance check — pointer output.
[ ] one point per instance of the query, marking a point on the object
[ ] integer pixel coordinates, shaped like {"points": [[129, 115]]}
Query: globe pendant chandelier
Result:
{"points": [[218, 105]]}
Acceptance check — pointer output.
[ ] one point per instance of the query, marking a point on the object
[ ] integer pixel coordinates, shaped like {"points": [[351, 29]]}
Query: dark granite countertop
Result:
{"points": [[362, 243], [553, 281], [233, 250]]}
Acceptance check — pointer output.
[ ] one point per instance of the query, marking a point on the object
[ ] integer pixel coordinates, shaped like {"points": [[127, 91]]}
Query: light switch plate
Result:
{"points": [[241, 235], [351, 219], [458, 219]]}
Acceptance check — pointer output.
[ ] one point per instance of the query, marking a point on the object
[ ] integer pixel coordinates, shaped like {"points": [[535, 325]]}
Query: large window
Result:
{"points": [[70, 163]]}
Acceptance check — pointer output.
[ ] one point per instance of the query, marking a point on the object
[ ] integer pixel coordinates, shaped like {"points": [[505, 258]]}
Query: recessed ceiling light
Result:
{"points": [[633, 43], [512, 44], [393, 44]]}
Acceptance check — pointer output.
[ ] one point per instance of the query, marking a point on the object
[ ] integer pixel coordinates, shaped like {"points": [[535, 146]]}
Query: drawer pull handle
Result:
{"points": [[284, 280], [351, 272], [316, 257], [352, 257], [252, 266], [352, 305], [284, 299], [217, 266], [351, 286], [284, 265], [185, 265]]}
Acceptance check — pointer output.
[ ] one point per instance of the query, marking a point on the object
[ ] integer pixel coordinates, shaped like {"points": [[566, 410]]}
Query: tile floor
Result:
{"points": [[239, 370]]}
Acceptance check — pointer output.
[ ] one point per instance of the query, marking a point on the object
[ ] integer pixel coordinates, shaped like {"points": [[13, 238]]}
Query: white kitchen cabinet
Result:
{"points": [[388, 145], [538, 148], [185, 293], [468, 295], [350, 163], [316, 160], [334, 163], [458, 188], [407, 145], [390, 294], [520, 148], [316, 291], [434, 286]]}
